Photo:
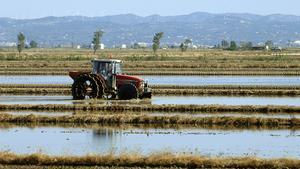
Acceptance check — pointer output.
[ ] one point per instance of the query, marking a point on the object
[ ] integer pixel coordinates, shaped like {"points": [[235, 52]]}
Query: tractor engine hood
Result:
{"points": [[122, 79]]}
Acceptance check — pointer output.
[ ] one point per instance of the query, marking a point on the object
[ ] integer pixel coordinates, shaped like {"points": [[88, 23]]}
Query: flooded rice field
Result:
{"points": [[61, 141], [169, 80], [157, 100], [77, 140]]}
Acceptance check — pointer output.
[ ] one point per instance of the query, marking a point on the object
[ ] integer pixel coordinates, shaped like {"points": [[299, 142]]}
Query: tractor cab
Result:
{"points": [[108, 69]]}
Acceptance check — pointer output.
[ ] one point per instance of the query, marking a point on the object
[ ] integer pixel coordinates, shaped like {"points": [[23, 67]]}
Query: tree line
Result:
{"points": [[96, 42], [232, 45]]}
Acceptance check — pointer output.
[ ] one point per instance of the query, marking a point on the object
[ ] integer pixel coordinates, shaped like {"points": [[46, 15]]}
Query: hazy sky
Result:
{"points": [[42, 8]]}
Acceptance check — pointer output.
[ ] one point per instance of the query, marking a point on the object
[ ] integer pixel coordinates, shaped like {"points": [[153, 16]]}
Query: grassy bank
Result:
{"points": [[158, 108], [153, 160], [164, 90], [137, 62], [173, 92], [78, 167], [146, 58], [231, 122], [202, 87]]}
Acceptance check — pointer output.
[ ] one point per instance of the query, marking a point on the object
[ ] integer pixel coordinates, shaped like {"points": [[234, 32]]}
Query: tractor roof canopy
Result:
{"points": [[107, 60]]}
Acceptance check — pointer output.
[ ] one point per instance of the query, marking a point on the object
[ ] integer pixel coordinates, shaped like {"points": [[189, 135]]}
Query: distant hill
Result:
{"points": [[203, 28]]}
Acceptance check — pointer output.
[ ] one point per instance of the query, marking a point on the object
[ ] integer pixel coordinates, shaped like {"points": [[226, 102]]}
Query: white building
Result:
{"points": [[8, 44], [102, 46], [296, 43], [123, 46]]}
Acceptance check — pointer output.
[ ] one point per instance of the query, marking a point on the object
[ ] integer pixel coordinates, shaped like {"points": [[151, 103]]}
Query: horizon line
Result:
{"points": [[211, 13]]}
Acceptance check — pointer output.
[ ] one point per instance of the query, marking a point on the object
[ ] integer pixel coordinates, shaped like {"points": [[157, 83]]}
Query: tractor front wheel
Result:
{"points": [[127, 92], [85, 86]]}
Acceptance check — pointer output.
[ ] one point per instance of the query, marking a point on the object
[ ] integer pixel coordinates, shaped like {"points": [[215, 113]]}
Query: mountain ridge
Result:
{"points": [[202, 27]]}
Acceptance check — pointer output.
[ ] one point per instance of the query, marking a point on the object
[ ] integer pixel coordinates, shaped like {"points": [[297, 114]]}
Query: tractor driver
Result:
{"points": [[109, 73]]}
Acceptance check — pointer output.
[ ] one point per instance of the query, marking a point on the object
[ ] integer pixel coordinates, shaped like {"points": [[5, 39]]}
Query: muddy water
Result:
{"points": [[281, 116], [81, 141], [226, 100], [223, 80], [55, 114], [158, 100], [35, 80], [15, 99], [168, 80]]}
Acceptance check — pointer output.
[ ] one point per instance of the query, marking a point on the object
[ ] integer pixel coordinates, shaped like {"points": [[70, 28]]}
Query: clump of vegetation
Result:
{"points": [[21, 42], [184, 45], [33, 44], [97, 40], [156, 41]]}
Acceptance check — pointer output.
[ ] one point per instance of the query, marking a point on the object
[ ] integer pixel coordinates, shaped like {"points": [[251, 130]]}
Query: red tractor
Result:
{"points": [[107, 81]]}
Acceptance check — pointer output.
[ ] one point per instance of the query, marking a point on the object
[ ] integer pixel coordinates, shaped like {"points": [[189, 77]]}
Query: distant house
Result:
{"points": [[123, 46], [8, 44], [295, 43], [140, 45], [102, 46]]}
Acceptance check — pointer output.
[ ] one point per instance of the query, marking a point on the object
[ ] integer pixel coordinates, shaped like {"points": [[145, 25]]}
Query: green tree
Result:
{"points": [[246, 45], [156, 41], [224, 44], [269, 44], [33, 44], [97, 40], [184, 45], [21, 42], [233, 46]]}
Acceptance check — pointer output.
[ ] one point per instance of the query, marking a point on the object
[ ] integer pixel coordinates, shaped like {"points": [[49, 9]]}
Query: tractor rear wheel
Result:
{"points": [[127, 92], [85, 86], [100, 82]]}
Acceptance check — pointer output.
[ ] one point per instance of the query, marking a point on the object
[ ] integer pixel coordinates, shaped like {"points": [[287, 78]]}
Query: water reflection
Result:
{"points": [[223, 80], [81, 141], [157, 100], [168, 80]]}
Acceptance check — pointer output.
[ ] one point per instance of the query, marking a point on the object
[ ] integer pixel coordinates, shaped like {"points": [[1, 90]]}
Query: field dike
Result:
{"points": [[172, 92], [233, 87], [157, 108], [7, 125], [165, 90], [160, 159], [132, 119]]}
